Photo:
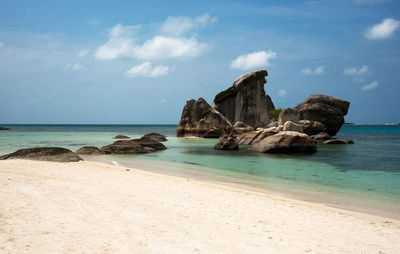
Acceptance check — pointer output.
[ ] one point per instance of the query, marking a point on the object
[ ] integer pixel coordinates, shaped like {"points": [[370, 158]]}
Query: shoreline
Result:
{"points": [[98, 207], [334, 200]]}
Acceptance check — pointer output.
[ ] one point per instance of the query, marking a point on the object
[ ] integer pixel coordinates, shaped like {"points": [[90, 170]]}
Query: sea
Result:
{"points": [[362, 177]]}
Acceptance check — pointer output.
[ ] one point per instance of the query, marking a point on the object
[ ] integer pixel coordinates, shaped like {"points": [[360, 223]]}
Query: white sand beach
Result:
{"points": [[93, 207]]}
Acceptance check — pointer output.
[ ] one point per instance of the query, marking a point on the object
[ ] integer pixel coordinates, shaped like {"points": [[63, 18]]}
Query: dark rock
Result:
{"points": [[156, 136], [288, 114], [149, 142], [246, 101], [4, 128], [198, 117], [123, 147], [271, 124], [121, 137], [57, 154], [338, 141], [328, 110], [286, 142], [321, 136], [227, 142], [213, 133], [312, 127], [88, 150]]}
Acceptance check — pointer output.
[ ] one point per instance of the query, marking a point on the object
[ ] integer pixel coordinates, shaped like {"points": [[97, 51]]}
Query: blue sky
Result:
{"points": [[136, 62]]}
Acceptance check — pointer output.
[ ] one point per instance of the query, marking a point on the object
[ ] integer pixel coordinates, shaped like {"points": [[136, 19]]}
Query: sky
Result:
{"points": [[137, 62]]}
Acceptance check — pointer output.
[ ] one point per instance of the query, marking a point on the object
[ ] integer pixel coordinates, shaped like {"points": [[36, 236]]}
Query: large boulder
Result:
{"points": [[198, 117], [88, 150], [150, 142], [288, 114], [312, 127], [57, 154], [328, 110], [227, 142], [156, 136], [240, 128], [254, 137], [246, 101], [123, 147], [291, 126], [286, 142]]}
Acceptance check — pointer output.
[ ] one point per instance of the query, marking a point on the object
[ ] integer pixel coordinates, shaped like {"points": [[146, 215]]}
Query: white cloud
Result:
{"points": [[146, 70], [253, 60], [121, 44], [382, 30], [82, 53], [282, 93], [356, 72], [75, 67], [177, 26], [370, 86], [370, 1], [319, 70]]}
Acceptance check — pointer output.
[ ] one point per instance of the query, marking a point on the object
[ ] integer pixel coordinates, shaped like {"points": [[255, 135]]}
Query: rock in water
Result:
{"points": [[123, 147], [4, 128], [156, 136], [121, 137], [291, 126], [328, 110], [57, 154], [312, 127], [198, 117], [149, 142], [226, 143], [246, 101], [335, 141], [89, 150], [286, 142]]}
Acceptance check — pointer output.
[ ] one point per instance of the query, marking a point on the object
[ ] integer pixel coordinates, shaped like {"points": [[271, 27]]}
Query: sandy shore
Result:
{"points": [[92, 207]]}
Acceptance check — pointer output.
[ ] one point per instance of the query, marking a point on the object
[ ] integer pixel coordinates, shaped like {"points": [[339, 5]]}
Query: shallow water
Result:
{"points": [[364, 176]]}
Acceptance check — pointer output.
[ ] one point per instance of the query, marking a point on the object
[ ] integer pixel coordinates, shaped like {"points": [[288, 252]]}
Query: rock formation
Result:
{"points": [[245, 100], [57, 154], [198, 117], [329, 111], [156, 136], [88, 150], [4, 128], [227, 142], [123, 147], [286, 142], [150, 142], [121, 137]]}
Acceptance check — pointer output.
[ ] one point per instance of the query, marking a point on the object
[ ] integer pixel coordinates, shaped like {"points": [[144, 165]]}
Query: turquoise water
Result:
{"points": [[364, 176]]}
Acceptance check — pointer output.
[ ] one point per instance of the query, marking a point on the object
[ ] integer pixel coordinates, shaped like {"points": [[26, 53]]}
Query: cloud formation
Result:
{"points": [[82, 53], [146, 70], [356, 72], [75, 67], [319, 70], [177, 26], [121, 44], [370, 86], [383, 30], [282, 93], [253, 60]]}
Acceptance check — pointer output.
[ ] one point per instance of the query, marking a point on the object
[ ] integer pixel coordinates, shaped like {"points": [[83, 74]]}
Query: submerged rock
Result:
{"points": [[123, 147], [156, 136], [328, 110], [198, 117], [338, 141], [89, 150], [121, 137], [150, 142], [245, 101], [286, 142], [56, 154]]}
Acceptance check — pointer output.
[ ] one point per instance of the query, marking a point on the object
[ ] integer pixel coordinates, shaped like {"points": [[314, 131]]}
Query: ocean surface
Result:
{"points": [[363, 177]]}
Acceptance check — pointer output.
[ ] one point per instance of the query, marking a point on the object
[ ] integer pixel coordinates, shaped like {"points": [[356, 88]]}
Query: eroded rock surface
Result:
{"points": [[57, 154]]}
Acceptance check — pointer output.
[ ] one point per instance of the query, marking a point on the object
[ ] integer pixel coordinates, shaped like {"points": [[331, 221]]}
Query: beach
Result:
{"points": [[93, 207]]}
